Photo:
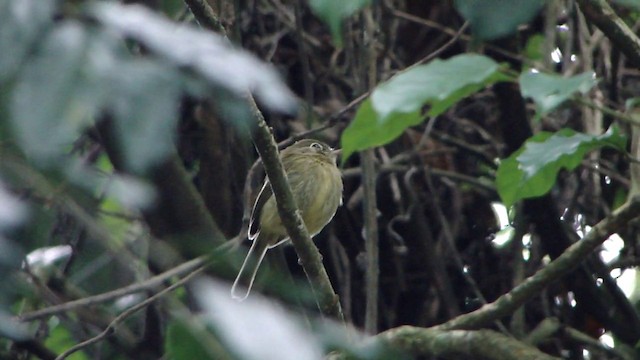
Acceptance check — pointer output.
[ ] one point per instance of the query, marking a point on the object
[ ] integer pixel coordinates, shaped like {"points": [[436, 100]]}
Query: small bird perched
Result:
{"points": [[316, 185]]}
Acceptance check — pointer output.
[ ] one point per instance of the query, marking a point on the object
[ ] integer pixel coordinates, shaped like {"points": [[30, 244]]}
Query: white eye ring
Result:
{"points": [[315, 146]]}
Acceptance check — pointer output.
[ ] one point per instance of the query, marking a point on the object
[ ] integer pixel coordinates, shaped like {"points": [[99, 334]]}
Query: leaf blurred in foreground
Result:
{"points": [[206, 53], [255, 328]]}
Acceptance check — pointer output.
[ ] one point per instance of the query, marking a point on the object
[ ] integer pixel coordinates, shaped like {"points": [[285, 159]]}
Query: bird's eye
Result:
{"points": [[315, 146]]}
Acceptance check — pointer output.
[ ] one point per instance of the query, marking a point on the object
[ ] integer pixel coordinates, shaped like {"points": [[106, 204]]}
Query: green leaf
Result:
{"points": [[534, 50], [186, 340], [532, 170], [333, 12], [549, 91], [60, 340], [397, 104], [491, 19]]}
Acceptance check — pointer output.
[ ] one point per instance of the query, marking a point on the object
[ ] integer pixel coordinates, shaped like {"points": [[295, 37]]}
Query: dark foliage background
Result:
{"points": [[126, 155]]}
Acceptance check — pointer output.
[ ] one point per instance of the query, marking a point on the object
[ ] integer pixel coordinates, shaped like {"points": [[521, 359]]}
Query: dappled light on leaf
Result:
{"points": [[532, 170]]}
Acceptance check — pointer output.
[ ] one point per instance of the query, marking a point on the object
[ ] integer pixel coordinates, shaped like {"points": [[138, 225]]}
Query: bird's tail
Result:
{"points": [[242, 285]]}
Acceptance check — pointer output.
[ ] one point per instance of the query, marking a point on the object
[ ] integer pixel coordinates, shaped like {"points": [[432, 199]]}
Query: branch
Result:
{"points": [[124, 315], [369, 204], [114, 294], [559, 267], [205, 15], [452, 344], [600, 13], [308, 253]]}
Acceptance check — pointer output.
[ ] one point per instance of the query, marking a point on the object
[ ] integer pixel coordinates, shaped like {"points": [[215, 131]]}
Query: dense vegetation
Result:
{"points": [[489, 149]]}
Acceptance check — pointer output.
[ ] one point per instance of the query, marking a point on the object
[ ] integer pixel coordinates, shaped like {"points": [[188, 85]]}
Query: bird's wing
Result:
{"points": [[263, 196]]}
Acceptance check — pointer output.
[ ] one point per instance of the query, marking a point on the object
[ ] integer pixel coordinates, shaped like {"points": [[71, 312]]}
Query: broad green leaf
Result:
{"points": [[397, 104], [549, 91], [532, 170], [491, 19], [333, 12], [21, 24], [207, 54]]}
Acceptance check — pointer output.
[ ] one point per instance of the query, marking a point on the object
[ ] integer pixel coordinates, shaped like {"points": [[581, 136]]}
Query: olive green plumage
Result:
{"points": [[316, 185]]}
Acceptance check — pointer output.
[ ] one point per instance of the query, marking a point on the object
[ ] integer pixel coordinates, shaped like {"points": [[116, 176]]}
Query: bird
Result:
{"points": [[316, 185]]}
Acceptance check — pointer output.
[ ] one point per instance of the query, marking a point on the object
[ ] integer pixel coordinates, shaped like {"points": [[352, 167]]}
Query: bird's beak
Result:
{"points": [[335, 153]]}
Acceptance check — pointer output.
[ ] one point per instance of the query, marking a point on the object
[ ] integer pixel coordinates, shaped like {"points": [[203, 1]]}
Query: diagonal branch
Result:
{"points": [[562, 265], [453, 344]]}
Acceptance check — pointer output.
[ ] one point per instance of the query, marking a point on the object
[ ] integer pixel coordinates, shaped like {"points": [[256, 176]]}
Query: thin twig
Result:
{"points": [[114, 294], [124, 315]]}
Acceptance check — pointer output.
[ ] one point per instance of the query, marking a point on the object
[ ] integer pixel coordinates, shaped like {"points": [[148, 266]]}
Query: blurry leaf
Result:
{"points": [[535, 47], [532, 170], [206, 53], [548, 91], [12, 210], [145, 110], [635, 4], [619, 198], [491, 19], [256, 328], [12, 213], [21, 24], [186, 341], [11, 328], [333, 12], [396, 104], [129, 191], [42, 258], [354, 344], [60, 340], [55, 97], [172, 8]]}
